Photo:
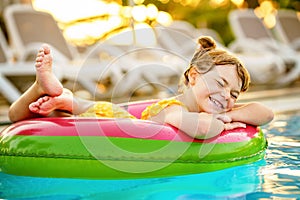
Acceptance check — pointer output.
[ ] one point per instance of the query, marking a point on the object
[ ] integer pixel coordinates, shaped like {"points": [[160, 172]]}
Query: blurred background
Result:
{"points": [[99, 19], [274, 66], [84, 24]]}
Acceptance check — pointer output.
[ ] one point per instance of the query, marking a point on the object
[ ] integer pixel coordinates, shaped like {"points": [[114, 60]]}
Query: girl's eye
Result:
{"points": [[234, 96], [220, 83]]}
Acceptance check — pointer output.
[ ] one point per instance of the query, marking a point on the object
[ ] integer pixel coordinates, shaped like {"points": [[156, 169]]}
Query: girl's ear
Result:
{"points": [[192, 76]]}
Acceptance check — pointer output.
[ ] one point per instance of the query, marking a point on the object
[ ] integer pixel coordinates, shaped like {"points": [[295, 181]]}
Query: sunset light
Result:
{"points": [[238, 3], [100, 19], [267, 12]]}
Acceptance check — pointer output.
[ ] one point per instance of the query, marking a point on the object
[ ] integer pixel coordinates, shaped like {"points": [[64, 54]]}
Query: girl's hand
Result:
{"points": [[224, 118], [233, 125]]}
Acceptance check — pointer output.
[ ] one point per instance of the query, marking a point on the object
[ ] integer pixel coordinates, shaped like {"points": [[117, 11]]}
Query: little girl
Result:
{"points": [[204, 108]]}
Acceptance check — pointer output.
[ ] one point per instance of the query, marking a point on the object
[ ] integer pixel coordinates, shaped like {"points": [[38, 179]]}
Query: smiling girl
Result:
{"points": [[204, 108]]}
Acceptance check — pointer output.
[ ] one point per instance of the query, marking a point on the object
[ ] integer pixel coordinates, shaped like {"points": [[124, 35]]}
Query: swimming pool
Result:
{"points": [[275, 177]]}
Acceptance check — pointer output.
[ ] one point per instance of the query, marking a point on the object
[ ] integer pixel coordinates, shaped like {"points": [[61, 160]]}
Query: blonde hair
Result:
{"points": [[208, 56]]}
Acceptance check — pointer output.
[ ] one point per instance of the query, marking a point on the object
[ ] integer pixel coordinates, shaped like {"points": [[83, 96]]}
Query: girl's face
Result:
{"points": [[217, 90]]}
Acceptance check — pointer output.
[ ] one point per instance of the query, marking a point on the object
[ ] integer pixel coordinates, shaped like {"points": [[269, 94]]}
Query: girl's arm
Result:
{"points": [[251, 113], [197, 125]]}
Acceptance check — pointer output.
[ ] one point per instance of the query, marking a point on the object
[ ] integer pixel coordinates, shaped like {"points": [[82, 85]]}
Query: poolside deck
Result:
{"points": [[286, 99]]}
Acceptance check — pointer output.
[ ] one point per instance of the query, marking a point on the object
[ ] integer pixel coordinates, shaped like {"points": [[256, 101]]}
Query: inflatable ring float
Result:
{"points": [[92, 148]]}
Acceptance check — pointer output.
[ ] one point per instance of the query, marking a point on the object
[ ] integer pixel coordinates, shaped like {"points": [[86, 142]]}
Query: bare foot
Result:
{"points": [[47, 104], [45, 79]]}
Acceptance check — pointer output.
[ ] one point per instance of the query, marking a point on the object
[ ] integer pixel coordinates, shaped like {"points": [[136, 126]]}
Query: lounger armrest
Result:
{"points": [[247, 45]]}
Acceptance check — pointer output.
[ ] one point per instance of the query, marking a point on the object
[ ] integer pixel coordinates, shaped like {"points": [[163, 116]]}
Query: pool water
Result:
{"points": [[275, 177]]}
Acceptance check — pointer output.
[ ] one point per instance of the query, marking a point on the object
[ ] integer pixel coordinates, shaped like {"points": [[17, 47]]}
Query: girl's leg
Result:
{"points": [[46, 96], [46, 84], [59, 105]]}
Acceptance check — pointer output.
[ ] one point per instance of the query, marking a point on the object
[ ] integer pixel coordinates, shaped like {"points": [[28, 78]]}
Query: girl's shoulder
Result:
{"points": [[169, 101], [157, 107]]}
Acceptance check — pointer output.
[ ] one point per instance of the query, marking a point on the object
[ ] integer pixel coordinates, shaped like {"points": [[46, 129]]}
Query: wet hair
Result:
{"points": [[207, 57]]}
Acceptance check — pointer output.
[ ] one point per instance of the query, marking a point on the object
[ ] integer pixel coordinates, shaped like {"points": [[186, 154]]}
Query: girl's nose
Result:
{"points": [[226, 94], [229, 101]]}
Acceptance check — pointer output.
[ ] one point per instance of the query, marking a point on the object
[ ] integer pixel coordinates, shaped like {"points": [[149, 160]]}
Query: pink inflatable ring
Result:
{"points": [[92, 148]]}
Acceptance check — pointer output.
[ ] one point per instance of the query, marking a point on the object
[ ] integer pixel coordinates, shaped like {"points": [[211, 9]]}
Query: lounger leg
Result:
{"points": [[10, 92]]}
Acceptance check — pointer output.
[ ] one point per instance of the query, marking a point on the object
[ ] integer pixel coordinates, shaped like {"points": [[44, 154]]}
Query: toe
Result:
{"points": [[33, 107], [46, 48], [45, 98], [38, 64]]}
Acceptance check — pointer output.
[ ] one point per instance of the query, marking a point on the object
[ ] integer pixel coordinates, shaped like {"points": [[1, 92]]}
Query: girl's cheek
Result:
{"points": [[231, 104], [212, 88]]}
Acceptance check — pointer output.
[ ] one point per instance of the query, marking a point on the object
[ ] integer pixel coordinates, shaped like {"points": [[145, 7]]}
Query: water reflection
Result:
{"points": [[281, 175], [232, 182]]}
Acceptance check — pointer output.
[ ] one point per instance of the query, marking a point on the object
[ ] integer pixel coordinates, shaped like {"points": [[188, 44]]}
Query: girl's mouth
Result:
{"points": [[217, 103]]}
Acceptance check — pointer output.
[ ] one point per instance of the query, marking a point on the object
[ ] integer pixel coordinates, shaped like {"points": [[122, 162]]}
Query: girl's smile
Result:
{"points": [[217, 90], [217, 103]]}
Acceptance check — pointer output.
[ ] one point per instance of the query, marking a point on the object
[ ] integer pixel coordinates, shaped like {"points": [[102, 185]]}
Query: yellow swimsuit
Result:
{"points": [[104, 109], [155, 108]]}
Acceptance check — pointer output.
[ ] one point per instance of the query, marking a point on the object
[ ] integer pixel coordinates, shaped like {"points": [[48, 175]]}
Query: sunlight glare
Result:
{"points": [[218, 3], [138, 1], [164, 1], [267, 12], [238, 3], [59, 9], [126, 11], [76, 32], [152, 11], [139, 13], [266, 7], [85, 22], [164, 18], [92, 30], [113, 8]]}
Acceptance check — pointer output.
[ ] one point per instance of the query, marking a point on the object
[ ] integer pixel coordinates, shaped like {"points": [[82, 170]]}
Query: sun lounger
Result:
{"points": [[253, 38], [28, 29], [9, 68], [288, 28], [100, 76]]}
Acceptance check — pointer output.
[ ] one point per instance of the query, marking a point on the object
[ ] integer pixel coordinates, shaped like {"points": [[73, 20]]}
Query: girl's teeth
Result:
{"points": [[217, 103]]}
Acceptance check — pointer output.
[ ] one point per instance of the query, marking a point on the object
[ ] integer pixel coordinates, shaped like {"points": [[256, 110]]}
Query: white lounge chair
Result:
{"points": [[28, 29], [254, 39], [181, 37], [191, 31], [176, 40], [9, 68], [100, 76], [287, 28]]}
